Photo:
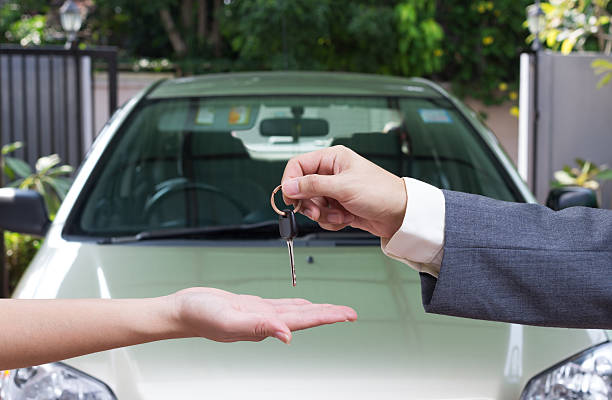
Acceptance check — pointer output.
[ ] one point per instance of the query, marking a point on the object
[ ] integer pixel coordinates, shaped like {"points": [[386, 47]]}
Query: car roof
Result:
{"points": [[293, 83]]}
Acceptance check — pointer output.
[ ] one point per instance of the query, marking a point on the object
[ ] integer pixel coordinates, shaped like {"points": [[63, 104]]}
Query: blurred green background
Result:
{"points": [[472, 45]]}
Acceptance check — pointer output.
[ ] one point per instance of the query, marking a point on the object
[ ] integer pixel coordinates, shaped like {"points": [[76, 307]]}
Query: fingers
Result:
{"points": [[313, 185], [324, 161], [290, 315], [308, 316], [255, 327], [325, 164], [328, 213]]}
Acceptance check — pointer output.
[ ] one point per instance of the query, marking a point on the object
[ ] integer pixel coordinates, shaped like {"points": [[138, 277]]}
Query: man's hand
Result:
{"points": [[338, 187], [227, 317]]}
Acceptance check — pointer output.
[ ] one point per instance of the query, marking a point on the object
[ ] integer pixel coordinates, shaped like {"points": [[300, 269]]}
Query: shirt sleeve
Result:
{"points": [[419, 242]]}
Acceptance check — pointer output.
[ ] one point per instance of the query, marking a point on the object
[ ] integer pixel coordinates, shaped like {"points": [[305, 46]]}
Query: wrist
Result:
{"points": [[400, 212], [169, 316], [398, 207]]}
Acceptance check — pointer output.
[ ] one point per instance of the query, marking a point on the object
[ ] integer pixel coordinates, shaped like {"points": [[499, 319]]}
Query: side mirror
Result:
{"points": [[23, 211], [571, 196]]}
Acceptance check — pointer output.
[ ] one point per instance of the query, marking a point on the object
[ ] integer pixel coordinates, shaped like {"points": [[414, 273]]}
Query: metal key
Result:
{"points": [[288, 230]]}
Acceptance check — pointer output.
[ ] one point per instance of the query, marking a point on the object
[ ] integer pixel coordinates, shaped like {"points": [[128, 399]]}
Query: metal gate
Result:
{"points": [[46, 99]]}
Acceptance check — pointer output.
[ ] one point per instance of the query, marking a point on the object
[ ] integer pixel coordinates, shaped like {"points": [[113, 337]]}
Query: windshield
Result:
{"points": [[213, 162]]}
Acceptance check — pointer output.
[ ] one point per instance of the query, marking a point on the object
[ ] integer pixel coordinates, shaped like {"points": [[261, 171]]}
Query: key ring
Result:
{"points": [[279, 212]]}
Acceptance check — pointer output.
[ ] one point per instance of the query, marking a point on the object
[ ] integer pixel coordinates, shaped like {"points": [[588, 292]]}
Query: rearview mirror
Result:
{"points": [[23, 211], [307, 127], [571, 196]]}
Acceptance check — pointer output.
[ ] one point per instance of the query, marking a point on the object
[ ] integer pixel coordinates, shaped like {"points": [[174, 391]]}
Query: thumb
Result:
{"points": [[265, 327], [310, 186]]}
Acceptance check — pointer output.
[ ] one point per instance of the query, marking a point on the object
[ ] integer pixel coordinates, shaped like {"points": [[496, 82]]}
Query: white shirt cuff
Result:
{"points": [[419, 242]]}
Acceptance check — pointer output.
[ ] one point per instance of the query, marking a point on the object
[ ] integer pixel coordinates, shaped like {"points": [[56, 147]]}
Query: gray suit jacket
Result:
{"points": [[523, 263]]}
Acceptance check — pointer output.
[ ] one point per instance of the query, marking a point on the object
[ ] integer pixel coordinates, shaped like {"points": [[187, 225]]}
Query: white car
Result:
{"points": [[175, 193]]}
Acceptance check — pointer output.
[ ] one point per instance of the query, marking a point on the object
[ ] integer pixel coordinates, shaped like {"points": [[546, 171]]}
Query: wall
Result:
{"points": [[575, 118], [501, 122]]}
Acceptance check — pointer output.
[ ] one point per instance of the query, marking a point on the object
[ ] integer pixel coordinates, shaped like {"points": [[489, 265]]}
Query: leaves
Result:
{"points": [[604, 175], [44, 164], [475, 65], [16, 167], [49, 179], [11, 147], [569, 25], [551, 37], [567, 45], [602, 67], [587, 175]]}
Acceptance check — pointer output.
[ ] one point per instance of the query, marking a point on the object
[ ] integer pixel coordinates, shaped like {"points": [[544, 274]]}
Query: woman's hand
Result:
{"points": [[227, 317], [34, 332], [338, 187]]}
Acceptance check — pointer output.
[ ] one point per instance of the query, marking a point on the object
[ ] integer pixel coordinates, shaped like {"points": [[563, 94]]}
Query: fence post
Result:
{"points": [[4, 276]]}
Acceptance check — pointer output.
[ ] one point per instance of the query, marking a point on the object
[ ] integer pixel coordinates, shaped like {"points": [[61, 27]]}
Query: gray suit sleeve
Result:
{"points": [[523, 263]]}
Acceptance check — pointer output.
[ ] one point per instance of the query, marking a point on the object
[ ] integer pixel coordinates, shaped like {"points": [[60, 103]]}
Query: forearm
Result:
{"points": [[524, 263], [34, 332]]}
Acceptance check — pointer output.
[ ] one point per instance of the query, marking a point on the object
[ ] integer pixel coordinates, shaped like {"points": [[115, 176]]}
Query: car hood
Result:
{"points": [[394, 350]]}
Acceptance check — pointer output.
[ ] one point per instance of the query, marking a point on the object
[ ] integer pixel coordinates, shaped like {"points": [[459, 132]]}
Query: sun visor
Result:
{"points": [[205, 117]]}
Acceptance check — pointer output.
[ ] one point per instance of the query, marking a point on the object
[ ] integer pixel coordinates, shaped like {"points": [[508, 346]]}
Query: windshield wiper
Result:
{"points": [[234, 231]]}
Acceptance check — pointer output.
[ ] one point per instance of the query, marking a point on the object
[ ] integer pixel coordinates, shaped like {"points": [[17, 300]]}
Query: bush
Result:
{"points": [[20, 250], [49, 179], [482, 43]]}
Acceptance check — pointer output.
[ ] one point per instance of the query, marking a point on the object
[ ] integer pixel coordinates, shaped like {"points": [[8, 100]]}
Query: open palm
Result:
{"points": [[227, 317]]}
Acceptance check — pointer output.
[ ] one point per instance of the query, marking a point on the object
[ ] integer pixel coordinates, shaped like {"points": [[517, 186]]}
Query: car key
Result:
{"points": [[288, 230], [287, 227]]}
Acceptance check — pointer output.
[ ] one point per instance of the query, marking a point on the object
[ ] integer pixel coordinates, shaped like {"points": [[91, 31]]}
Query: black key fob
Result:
{"points": [[287, 226]]}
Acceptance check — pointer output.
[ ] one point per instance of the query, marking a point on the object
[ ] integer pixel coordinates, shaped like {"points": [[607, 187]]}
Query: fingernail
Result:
{"points": [[291, 187], [334, 217], [282, 336]]}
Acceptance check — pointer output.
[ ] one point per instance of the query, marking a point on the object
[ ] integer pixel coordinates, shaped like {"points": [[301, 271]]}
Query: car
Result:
{"points": [[175, 192]]}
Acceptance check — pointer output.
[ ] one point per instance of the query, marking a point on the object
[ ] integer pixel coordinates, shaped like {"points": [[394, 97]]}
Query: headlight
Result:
{"points": [[587, 375], [51, 382]]}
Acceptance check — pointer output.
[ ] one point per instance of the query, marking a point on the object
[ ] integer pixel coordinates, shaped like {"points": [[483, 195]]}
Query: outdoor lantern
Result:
{"points": [[70, 16], [535, 22]]}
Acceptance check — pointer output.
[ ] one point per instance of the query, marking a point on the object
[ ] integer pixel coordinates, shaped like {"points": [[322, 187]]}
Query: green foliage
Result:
{"points": [[576, 25], [419, 38], [604, 68], [587, 175], [483, 40], [474, 45], [20, 250], [27, 30], [25, 22], [50, 181], [401, 38], [268, 35], [48, 178], [133, 25]]}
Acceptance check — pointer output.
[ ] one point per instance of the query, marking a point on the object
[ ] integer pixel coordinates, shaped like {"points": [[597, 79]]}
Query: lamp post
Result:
{"points": [[71, 19], [535, 23]]}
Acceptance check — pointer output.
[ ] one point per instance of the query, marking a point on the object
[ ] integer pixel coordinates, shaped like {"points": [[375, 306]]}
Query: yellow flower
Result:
{"points": [[503, 86], [513, 95], [481, 8], [487, 40], [514, 111], [567, 45], [497, 13], [489, 5], [438, 52]]}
